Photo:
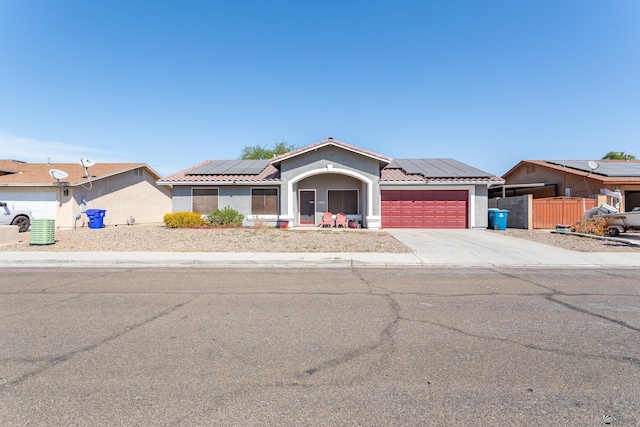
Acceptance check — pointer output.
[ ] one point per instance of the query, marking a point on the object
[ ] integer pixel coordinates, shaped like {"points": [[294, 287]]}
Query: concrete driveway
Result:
{"points": [[469, 247]]}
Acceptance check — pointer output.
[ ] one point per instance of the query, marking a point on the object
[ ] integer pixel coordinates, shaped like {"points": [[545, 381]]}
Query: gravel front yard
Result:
{"points": [[157, 238], [152, 238], [574, 243]]}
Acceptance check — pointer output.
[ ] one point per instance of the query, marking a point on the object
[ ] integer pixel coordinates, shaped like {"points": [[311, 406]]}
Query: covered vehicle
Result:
{"points": [[618, 221], [15, 215]]}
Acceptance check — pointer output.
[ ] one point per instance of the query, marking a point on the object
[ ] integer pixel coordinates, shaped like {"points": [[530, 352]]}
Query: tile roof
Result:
{"points": [[400, 170], [608, 172], [268, 174], [14, 173], [448, 170]]}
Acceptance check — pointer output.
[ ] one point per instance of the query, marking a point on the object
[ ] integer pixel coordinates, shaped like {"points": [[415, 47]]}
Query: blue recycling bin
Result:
{"points": [[492, 219], [96, 217], [498, 219]]}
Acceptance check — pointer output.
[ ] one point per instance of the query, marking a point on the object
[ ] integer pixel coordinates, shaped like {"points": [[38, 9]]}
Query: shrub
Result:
{"points": [[591, 226], [259, 223], [226, 217], [183, 219]]}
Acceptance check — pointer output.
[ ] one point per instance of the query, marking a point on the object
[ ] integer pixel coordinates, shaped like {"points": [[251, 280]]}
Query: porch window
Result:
{"points": [[264, 201], [204, 200], [343, 201]]}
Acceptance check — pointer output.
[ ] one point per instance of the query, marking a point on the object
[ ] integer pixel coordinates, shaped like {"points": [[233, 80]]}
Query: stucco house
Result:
{"points": [[595, 179], [332, 176], [124, 190]]}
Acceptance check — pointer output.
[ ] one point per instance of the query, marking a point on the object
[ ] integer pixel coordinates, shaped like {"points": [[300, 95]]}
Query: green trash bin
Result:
{"points": [[43, 231]]}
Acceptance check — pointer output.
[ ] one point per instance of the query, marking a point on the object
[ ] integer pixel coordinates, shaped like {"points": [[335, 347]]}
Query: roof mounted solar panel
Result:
{"points": [[613, 169], [256, 167], [437, 168], [211, 168], [231, 167]]}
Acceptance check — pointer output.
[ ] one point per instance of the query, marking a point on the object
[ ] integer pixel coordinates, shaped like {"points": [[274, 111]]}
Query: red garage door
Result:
{"points": [[425, 208]]}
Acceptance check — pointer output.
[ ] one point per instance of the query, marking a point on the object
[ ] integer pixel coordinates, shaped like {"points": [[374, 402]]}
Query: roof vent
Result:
{"points": [[330, 138]]}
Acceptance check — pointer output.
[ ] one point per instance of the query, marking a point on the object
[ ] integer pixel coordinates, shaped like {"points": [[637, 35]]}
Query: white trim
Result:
{"points": [[323, 170], [472, 208], [114, 173], [438, 182], [335, 144], [205, 183], [374, 222], [427, 188], [263, 217]]}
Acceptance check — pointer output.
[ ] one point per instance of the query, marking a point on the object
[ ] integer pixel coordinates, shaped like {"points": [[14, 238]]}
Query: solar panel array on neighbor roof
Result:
{"points": [[231, 167], [437, 168], [617, 169]]}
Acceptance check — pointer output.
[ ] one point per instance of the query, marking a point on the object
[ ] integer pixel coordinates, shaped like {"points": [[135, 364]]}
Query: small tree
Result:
{"points": [[257, 152], [618, 155]]}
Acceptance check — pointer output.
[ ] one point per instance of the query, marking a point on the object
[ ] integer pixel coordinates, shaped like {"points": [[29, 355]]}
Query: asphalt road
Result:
{"points": [[425, 346]]}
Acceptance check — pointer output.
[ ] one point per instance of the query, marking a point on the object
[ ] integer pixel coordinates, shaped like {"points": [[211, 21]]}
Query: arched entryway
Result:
{"points": [[314, 192]]}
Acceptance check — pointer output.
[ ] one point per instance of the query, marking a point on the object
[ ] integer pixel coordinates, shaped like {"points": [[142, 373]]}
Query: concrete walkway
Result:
{"points": [[453, 248]]}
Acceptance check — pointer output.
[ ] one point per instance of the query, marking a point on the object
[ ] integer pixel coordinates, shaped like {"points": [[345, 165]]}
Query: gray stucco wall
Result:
{"points": [[237, 197], [333, 166], [181, 197], [519, 208]]}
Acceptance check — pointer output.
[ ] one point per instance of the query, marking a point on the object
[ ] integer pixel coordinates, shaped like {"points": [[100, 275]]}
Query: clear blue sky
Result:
{"points": [[173, 83]]}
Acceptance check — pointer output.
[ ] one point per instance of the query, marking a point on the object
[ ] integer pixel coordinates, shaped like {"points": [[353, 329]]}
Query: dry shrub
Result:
{"points": [[259, 223], [183, 219], [598, 227]]}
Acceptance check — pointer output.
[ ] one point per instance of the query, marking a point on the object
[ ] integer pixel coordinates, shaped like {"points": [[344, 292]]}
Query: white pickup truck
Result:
{"points": [[15, 215]]}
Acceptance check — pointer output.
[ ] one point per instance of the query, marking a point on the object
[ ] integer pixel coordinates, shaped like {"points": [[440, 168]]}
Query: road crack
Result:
{"points": [[627, 359], [53, 361], [385, 337], [589, 313]]}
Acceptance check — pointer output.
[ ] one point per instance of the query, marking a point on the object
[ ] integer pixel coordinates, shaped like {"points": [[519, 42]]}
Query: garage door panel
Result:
{"points": [[424, 208], [41, 203]]}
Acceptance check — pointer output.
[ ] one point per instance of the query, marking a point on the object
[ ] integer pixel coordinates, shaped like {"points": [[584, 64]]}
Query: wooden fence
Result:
{"points": [[551, 211]]}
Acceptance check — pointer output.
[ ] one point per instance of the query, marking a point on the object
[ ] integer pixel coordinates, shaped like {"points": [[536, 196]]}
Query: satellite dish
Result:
{"points": [[86, 163], [58, 174], [592, 165]]}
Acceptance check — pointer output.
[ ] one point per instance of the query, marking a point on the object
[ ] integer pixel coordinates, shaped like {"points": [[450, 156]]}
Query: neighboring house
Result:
{"points": [[331, 176], [124, 190], [575, 178]]}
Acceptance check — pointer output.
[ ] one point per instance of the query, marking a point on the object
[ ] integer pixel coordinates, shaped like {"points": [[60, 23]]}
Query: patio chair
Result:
{"points": [[327, 220], [341, 220]]}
